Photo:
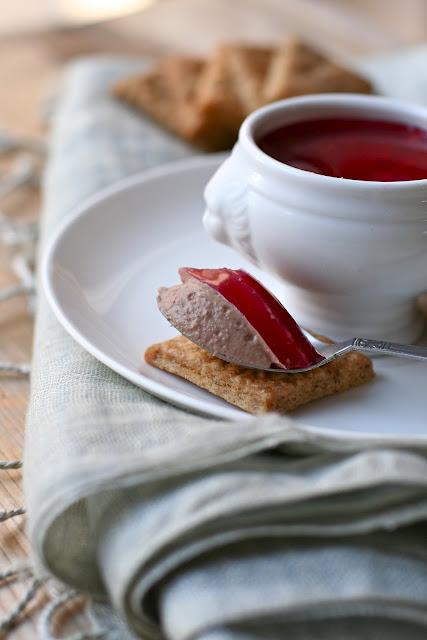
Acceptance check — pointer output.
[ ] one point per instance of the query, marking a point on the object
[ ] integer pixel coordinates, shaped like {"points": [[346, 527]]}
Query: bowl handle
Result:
{"points": [[226, 216]]}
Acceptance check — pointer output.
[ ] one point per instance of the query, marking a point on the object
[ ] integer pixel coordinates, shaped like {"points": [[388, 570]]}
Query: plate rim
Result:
{"points": [[47, 280], [157, 389]]}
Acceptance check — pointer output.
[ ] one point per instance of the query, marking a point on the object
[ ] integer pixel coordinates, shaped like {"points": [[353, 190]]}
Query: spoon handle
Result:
{"points": [[389, 348]]}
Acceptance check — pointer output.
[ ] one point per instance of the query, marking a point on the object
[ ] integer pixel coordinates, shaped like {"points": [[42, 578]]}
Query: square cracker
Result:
{"points": [[297, 69], [258, 391]]}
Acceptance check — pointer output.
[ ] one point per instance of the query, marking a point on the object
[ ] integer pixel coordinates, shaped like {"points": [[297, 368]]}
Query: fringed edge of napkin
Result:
{"points": [[22, 238]]}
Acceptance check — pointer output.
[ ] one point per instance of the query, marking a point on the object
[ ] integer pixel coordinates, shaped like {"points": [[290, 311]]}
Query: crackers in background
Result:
{"points": [[165, 93], [297, 69], [248, 69], [216, 112], [204, 101], [257, 391]]}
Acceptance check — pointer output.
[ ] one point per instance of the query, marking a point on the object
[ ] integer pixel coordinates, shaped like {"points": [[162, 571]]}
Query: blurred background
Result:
{"points": [[38, 36]]}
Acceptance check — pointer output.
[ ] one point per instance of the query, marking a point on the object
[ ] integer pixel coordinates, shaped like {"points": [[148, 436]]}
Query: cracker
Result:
{"points": [[297, 69], [217, 112], [165, 93], [257, 391], [228, 90], [192, 98], [248, 69]]}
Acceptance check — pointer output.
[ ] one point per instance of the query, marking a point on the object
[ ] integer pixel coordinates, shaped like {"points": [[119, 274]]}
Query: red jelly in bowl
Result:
{"points": [[372, 150]]}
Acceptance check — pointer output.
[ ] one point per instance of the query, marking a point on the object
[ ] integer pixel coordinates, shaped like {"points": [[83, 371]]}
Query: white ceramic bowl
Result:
{"points": [[352, 255]]}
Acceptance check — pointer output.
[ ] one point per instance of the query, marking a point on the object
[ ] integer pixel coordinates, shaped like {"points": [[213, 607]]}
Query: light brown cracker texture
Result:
{"points": [[258, 391], [217, 111], [248, 67], [165, 93], [297, 69]]}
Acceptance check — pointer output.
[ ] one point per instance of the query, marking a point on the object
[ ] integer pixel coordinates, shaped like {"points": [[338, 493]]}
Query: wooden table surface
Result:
{"points": [[30, 63]]}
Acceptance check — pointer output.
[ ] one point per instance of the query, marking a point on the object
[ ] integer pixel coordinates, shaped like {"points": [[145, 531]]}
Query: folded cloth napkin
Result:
{"points": [[196, 528]]}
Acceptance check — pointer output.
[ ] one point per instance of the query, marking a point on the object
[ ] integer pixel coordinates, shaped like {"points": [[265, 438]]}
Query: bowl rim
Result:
{"points": [[385, 106]]}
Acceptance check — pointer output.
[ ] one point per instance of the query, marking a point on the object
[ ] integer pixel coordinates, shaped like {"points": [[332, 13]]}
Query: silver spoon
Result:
{"points": [[364, 345]]}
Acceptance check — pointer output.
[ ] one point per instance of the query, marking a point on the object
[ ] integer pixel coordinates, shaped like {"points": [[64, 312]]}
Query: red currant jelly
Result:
{"points": [[263, 312], [372, 150]]}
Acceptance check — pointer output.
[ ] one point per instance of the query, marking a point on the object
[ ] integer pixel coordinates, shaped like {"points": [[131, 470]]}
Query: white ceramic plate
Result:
{"points": [[105, 264]]}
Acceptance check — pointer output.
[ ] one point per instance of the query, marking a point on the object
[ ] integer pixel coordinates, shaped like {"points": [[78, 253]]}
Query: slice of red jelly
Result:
{"points": [[263, 311]]}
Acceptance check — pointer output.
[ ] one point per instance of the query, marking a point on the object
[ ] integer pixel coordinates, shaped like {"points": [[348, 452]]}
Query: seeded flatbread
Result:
{"points": [[257, 391]]}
